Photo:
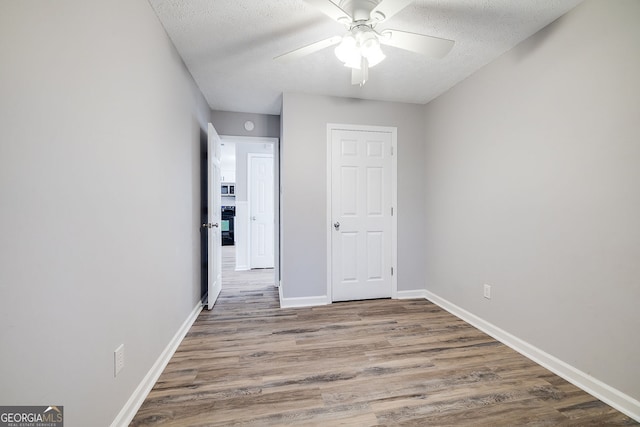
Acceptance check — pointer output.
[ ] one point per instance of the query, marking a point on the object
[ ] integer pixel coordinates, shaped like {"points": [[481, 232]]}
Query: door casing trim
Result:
{"points": [[277, 231]]}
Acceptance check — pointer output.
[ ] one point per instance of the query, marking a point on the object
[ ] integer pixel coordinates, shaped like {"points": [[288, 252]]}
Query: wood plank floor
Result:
{"points": [[367, 363]]}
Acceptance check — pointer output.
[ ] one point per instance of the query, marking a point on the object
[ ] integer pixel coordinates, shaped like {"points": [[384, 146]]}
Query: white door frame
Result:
{"points": [[276, 192], [394, 201]]}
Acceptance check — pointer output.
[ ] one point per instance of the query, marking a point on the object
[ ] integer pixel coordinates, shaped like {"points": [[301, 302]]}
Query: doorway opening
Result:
{"points": [[249, 226]]}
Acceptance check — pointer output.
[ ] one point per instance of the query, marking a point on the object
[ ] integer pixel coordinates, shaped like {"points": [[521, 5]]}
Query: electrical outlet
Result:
{"points": [[118, 360], [487, 291]]}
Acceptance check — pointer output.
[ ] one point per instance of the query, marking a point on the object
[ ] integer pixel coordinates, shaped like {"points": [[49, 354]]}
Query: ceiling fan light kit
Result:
{"points": [[360, 45], [360, 49]]}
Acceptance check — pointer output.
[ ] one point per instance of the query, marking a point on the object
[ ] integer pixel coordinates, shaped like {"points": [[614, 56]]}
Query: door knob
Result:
{"points": [[253, 218], [209, 225], [336, 225]]}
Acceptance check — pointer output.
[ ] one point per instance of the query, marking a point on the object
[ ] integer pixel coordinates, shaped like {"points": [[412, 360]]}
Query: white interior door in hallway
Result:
{"points": [[362, 201], [214, 238], [261, 202]]}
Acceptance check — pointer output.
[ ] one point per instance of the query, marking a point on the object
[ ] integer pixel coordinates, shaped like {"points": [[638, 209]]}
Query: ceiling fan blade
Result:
{"points": [[419, 43], [330, 9], [309, 49], [387, 8]]}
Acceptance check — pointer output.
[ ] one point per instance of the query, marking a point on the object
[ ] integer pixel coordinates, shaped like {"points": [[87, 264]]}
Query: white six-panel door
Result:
{"points": [[361, 201], [261, 217]]}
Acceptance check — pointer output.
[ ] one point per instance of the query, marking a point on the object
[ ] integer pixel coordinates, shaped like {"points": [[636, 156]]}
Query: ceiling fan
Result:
{"points": [[359, 49]]}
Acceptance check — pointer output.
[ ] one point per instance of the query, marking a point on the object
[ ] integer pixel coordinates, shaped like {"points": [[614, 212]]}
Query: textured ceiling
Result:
{"points": [[229, 46]]}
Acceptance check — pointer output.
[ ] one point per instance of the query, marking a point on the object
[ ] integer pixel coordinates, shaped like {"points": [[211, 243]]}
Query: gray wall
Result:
{"points": [[532, 172], [232, 123], [304, 186], [100, 126]]}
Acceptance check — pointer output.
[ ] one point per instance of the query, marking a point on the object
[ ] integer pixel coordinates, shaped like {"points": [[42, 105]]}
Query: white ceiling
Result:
{"points": [[229, 46]]}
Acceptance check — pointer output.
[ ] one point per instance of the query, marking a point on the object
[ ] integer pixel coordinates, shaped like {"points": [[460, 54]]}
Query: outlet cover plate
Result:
{"points": [[487, 291], [118, 360]]}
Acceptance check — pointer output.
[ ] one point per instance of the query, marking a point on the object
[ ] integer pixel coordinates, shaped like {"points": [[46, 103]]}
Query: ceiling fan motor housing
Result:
{"points": [[360, 10]]}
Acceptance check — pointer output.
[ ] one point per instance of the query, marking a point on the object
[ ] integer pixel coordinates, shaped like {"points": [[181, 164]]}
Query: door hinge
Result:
{"points": [[391, 210], [392, 271], [392, 150]]}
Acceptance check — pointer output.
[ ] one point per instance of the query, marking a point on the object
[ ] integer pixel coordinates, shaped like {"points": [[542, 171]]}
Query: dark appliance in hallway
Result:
{"points": [[228, 214]]}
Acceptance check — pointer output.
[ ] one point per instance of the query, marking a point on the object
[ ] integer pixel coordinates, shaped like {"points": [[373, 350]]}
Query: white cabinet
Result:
{"points": [[228, 175]]}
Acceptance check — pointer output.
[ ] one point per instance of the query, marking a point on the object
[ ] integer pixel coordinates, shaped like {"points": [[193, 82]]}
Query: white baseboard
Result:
{"points": [[413, 294], [324, 300], [609, 395], [303, 301], [134, 403]]}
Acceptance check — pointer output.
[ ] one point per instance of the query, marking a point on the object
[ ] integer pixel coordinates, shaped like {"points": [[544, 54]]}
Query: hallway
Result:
{"points": [[240, 282]]}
